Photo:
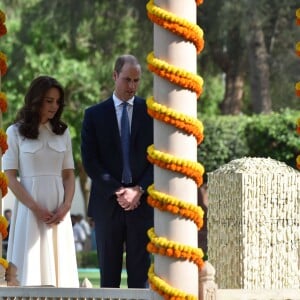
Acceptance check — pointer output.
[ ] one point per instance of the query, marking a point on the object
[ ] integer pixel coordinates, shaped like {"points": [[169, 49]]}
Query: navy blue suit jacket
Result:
{"points": [[102, 155]]}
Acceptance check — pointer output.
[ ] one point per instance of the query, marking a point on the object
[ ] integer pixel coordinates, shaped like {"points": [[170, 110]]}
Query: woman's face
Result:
{"points": [[51, 104]]}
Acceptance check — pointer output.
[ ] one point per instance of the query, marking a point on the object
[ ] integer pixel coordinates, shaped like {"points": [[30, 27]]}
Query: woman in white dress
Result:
{"points": [[40, 169]]}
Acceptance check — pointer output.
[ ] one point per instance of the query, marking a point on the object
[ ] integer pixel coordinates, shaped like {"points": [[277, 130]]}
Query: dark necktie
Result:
{"points": [[125, 140]]}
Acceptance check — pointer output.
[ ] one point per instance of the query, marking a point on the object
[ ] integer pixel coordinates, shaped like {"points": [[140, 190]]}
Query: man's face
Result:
{"points": [[127, 81]]}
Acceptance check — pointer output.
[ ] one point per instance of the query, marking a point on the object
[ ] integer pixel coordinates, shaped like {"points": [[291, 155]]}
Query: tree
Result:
{"points": [[77, 42], [74, 42], [225, 46], [259, 74], [251, 42]]}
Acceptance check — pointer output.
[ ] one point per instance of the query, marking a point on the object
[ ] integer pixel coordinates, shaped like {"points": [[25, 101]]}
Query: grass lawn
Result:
{"points": [[93, 276]]}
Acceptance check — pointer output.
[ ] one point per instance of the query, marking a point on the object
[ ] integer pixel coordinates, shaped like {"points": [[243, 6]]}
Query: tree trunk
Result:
{"points": [[232, 63], [259, 70], [233, 99]]}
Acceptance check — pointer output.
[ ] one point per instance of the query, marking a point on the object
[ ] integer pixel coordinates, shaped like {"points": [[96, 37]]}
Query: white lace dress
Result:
{"points": [[43, 255]]}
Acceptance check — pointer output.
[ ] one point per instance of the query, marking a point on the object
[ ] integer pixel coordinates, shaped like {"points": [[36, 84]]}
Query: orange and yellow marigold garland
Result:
{"points": [[3, 184], [3, 102], [162, 246], [189, 168], [165, 202], [298, 126], [175, 75], [3, 144], [3, 64], [166, 290], [4, 263], [298, 49], [298, 16], [2, 16], [3, 141], [194, 170], [169, 248], [297, 89], [170, 116], [3, 227], [3, 29], [189, 31]]}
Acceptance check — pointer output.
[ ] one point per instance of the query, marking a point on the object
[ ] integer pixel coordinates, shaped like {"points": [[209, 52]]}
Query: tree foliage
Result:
{"points": [[232, 137], [228, 27], [77, 42]]}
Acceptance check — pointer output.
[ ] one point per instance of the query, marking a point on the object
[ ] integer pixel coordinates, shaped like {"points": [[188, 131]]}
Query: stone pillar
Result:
{"points": [[253, 224], [207, 285], [176, 89]]}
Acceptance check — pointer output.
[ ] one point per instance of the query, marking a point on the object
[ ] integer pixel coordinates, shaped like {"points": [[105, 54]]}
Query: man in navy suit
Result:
{"points": [[117, 205]]}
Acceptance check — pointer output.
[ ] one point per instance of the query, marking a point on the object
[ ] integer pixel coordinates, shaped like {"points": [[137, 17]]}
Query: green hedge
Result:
{"points": [[231, 137], [87, 259], [274, 136]]}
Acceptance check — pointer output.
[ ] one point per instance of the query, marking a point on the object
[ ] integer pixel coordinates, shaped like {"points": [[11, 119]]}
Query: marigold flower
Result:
{"points": [[298, 162], [298, 16], [3, 65], [191, 169], [189, 31], [165, 202], [297, 89], [165, 290], [171, 248], [298, 126], [169, 252], [3, 227], [2, 16], [4, 263], [3, 102], [298, 48], [181, 121], [3, 184], [175, 75], [3, 141], [3, 29]]}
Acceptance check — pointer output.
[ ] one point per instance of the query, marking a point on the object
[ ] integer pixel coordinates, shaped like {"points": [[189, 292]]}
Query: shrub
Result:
{"points": [[87, 259], [231, 137], [274, 136], [224, 140]]}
